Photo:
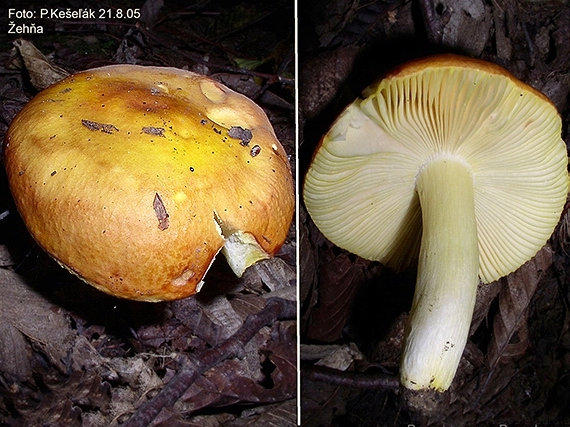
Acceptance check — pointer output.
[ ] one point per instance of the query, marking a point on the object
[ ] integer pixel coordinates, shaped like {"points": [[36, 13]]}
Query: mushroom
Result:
{"points": [[452, 162], [134, 178]]}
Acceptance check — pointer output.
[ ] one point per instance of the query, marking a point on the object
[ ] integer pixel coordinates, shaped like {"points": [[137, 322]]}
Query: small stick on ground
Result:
{"points": [[360, 380]]}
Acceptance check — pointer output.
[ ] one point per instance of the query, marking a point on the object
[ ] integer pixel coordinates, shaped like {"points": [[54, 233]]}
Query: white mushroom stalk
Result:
{"points": [[447, 276], [455, 164]]}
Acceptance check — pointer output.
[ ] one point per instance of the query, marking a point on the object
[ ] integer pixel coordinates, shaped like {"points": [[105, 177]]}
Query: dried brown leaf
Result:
{"points": [[246, 304], [342, 358], [283, 414], [36, 319], [333, 69], [514, 298], [42, 72], [228, 384], [486, 293], [338, 280], [192, 315], [161, 213], [220, 311], [267, 373], [5, 257], [150, 10], [275, 273], [60, 402], [307, 261], [15, 354], [132, 48], [158, 334], [561, 235]]}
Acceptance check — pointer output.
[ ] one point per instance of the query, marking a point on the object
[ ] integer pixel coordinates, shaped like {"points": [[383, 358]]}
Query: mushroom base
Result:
{"points": [[447, 280]]}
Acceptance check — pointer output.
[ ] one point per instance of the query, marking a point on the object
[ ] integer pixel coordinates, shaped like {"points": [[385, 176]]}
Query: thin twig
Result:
{"points": [[221, 67], [274, 80], [275, 309], [360, 380]]}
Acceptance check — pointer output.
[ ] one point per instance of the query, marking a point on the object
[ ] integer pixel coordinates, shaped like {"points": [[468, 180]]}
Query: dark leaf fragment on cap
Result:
{"points": [[161, 213]]}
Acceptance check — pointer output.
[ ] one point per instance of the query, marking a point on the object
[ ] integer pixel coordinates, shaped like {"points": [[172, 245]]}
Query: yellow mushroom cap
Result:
{"points": [[134, 178], [360, 189]]}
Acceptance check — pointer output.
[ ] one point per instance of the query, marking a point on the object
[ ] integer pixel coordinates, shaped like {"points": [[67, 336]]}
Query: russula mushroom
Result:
{"points": [[452, 162], [134, 178]]}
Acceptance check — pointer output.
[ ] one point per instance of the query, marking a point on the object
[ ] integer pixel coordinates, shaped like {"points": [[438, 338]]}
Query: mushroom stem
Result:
{"points": [[447, 280]]}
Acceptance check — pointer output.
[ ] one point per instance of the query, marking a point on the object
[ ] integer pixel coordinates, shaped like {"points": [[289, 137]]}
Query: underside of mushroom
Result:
{"points": [[452, 163]]}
